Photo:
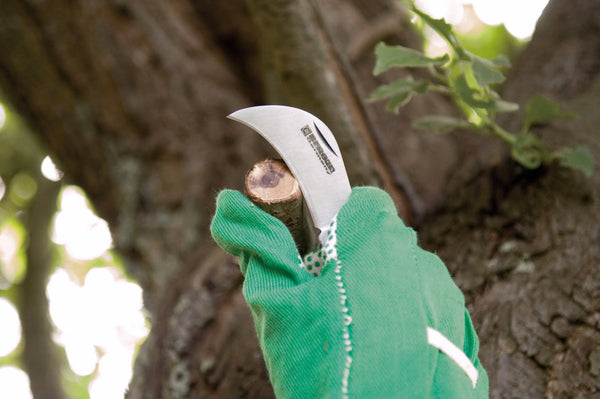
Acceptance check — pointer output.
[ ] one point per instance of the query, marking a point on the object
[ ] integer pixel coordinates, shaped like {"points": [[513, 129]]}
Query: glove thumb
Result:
{"points": [[244, 230]]}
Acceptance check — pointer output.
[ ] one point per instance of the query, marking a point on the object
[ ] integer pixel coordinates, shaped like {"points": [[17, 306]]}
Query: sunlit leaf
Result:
{"points": [[22, 188], [468, 95], [445, 30], [398, 56], [504, 106], [579, 158], [477, 99], [528, 150], [77, 386], [540, 109], [440, 123], [484, 73], [12, 359], [12, 255], [489, 43]]}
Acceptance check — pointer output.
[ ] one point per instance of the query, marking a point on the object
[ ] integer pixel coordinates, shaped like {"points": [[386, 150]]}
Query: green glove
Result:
{"points": [[369, 315]]}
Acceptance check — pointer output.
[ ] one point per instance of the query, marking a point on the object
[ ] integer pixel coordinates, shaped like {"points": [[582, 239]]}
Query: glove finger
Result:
{"points": [[257, 238], [370, 219], [444, 301]]}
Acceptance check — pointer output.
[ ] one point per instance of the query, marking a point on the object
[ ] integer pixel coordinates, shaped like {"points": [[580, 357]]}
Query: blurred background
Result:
{"points": [[96, 311], [50, 233]]}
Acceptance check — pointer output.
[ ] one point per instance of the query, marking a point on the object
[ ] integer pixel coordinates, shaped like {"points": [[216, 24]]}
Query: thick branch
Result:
{"points": [[304, 75], [40, 354]]}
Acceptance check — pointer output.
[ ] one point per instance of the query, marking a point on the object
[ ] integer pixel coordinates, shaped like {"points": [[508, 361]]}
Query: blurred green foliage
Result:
{"points": [[491, 42], [20, 159]]}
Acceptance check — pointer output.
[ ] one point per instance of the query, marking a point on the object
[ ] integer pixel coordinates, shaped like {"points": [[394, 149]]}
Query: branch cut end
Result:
{"points": [[271, 182]]}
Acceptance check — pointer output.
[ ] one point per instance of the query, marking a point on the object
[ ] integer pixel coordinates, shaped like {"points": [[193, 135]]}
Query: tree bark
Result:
{"points": [[132, 98]]}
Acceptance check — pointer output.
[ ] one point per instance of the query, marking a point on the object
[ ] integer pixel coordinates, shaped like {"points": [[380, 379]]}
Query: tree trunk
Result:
{"points": [[131, 99]]}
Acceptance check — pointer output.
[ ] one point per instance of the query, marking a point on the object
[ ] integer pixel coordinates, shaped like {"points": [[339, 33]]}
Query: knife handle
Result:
{"points": [[271, 186]]}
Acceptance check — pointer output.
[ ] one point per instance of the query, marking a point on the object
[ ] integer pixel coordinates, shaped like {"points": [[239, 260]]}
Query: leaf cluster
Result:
{"points": [[471, 80]]}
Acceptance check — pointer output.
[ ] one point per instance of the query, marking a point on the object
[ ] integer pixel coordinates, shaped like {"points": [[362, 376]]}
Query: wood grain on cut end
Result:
{"points": [[271, 182], [273, 188]]}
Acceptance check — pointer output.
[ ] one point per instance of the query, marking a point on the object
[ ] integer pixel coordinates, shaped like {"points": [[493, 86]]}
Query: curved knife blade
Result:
{"points": [[311, 152]]}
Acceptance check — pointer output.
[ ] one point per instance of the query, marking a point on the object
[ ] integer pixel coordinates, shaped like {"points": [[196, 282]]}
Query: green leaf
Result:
{"points": [[478, 99], [501, 61], [484, 73], [540, 109], [398, 101], [399, 92], [398, 56], [504, 106], [579, 158], [405, 85], [440, 123], [468, 95], [445, 31], [528, 150]]}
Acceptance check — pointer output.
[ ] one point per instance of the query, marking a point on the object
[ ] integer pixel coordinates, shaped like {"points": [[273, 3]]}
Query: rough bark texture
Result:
{"points": [[131, 99]]}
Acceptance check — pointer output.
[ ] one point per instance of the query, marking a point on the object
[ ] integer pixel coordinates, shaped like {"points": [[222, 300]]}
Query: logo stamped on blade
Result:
{"points": [[318, 149]]}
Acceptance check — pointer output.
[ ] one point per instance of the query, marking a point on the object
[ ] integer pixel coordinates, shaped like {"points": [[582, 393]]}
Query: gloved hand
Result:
{"points": [[370, 315]]}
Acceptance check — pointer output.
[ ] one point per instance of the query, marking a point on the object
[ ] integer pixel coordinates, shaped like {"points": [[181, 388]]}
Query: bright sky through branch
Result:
{"points": [[10, 330], [99, 320], [450, 10], [2, 188], [518, 16], [84, 235], [2, 116], [14, 383], [50, 171], [99, 323]]}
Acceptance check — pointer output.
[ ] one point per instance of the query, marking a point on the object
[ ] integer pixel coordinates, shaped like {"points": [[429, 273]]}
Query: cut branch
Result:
{"points": [[273, 188]]}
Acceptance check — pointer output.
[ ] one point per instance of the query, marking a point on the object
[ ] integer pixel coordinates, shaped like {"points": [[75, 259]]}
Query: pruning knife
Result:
{"points": [[311, 153]]}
